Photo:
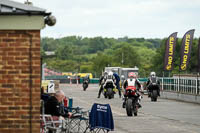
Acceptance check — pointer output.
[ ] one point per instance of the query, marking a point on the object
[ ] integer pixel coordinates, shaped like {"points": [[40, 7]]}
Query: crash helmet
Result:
{"points": [[131, 75], [152, 74], [105, 73], [110, 75]]}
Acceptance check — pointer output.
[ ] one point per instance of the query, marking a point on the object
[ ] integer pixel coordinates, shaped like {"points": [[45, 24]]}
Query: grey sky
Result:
{"points": [[119, 18]]}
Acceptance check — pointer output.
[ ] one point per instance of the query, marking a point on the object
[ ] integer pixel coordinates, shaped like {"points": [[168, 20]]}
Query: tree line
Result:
{"points": [[78, 54]]}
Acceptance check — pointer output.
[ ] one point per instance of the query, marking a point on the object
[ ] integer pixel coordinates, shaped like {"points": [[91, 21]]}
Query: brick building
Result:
{"points": [[20, 66]]}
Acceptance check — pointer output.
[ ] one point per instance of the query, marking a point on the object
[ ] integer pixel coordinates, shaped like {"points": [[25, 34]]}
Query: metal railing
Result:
{"points": [[181, 85]]}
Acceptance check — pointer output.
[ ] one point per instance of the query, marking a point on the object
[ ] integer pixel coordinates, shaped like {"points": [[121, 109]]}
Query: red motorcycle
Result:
{"points": [[131, 101]]}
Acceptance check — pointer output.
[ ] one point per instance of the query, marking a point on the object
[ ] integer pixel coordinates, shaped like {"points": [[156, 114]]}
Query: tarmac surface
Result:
{"points": [[163, 116]]}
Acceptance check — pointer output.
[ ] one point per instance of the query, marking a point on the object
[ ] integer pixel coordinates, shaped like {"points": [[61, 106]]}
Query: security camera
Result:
{"points": [[50, 20]]}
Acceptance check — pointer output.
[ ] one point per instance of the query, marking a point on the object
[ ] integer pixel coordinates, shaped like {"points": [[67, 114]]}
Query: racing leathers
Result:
{"points": [[103, 80], [86, 79], [133, 82], [152, 82]]}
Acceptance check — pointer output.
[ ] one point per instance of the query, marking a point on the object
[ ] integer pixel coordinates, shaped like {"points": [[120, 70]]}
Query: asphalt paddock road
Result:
{"points": [[164, 116]]}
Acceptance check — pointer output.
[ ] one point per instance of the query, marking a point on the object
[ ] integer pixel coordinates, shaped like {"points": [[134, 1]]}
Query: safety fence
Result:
{"points": [[74, 80], [181, 85], [67, 79]]}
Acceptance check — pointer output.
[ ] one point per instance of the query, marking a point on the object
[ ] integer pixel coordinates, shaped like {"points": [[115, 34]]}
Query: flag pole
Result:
{"points": [[198, 67], [197, 83], [163, 80], [179, 81]]}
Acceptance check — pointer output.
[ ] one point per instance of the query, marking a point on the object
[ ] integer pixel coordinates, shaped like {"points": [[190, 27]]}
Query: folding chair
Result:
{"points": [[100, 119], [48, 123], [79, 120]]}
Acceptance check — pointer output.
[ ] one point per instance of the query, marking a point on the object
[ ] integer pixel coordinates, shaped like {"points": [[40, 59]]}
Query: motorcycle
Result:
{"points": [[109, 89], [153, 92], [85, 85], [131, 102]]}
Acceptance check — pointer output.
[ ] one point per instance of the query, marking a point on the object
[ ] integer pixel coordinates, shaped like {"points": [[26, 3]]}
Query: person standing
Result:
{"points": [[117, 83]]}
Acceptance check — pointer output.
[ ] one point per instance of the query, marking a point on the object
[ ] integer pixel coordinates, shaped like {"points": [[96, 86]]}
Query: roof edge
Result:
{"points": [[26, 13]]}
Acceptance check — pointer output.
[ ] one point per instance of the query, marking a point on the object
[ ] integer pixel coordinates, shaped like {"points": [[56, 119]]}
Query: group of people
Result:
{"points": [[109, 76], [130, 81], [114, 77], [54, 106]]}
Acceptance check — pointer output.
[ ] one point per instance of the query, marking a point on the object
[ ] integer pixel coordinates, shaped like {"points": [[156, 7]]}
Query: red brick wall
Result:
{"points": [[19, 64]]}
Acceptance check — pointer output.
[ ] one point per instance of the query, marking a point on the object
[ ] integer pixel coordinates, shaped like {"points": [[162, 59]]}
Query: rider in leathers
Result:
{"points": [[153, 81], [132, 81], [103, 80], [86, 78]]}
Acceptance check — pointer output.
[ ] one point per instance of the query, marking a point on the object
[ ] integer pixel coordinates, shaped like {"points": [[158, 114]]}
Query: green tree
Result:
{"points": [[64, 52], [100, 62], [158, 59], [126, 56], [63, 65], [96, 44]]}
